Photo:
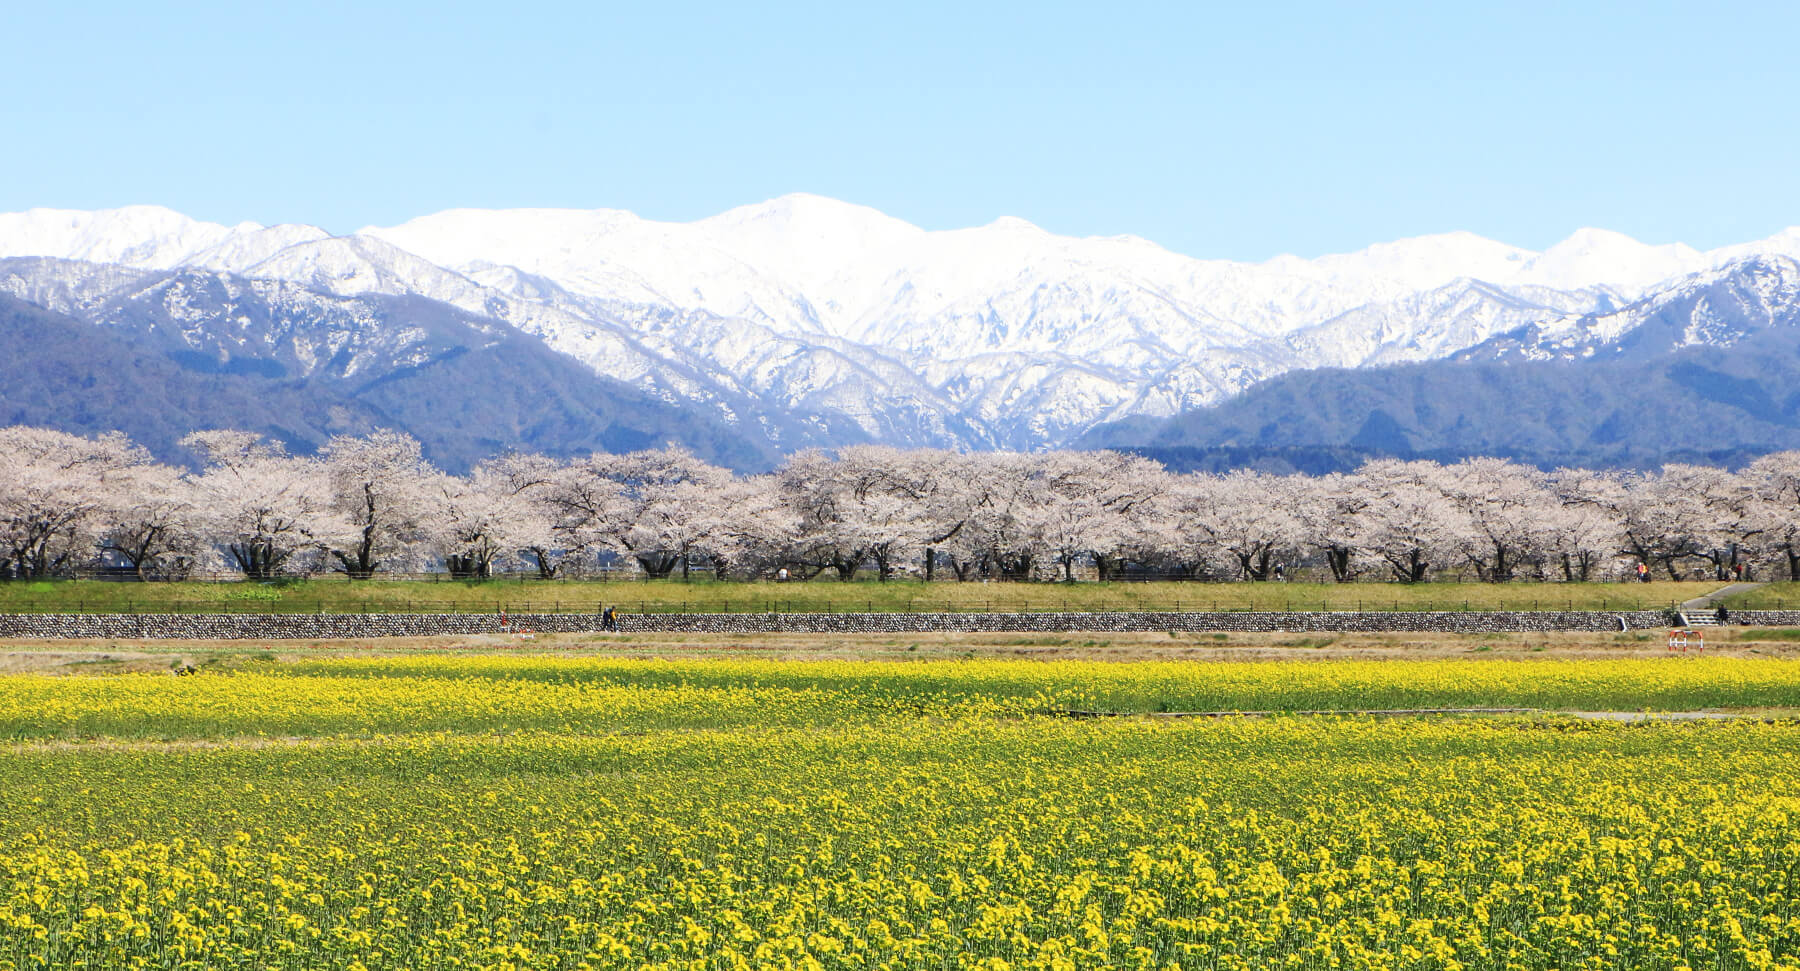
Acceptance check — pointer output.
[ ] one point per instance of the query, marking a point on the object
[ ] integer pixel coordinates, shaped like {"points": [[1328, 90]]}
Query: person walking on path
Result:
{"points": [[609, 619]]}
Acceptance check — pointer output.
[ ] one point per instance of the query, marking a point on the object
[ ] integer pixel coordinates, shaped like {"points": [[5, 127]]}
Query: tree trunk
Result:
{"points": [[546, 570], [1015, 567], [256, 560], [357, 564], [1410, 568], [657, 565], [360, 564], [1255, 565]]}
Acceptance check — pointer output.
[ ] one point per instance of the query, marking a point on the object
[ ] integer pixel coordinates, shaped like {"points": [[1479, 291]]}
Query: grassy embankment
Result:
{"points": [[337, 595], [1769, 596]]}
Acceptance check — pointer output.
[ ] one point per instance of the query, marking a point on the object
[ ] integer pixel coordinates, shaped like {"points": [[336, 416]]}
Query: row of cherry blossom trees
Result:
{"points": [[373, 504]]}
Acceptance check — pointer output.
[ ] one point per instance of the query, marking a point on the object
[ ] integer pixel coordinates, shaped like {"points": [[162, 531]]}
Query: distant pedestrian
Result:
{"points": [[781, 575], [609, 619], [1280, 575], [1643, 573]]}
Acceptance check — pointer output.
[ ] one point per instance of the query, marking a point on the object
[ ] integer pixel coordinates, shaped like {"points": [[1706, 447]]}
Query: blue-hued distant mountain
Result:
{"points": [[804, 322], [1705, 370], [173, 353]]}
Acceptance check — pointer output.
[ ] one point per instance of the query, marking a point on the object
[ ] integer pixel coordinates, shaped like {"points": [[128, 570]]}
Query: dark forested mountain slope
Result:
{"points": [[467, 388], [1707, 371]]}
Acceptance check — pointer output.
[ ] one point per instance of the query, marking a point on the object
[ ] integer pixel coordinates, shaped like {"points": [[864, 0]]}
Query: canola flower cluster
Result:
{"points": [[826, 816], [475, 693]]}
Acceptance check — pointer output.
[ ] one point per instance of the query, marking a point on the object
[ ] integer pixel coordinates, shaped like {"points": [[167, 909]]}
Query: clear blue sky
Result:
{"points": [[1239, 131]]}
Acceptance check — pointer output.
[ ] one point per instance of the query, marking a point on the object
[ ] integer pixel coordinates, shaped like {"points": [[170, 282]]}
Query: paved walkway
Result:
{"points": [[1711, 600]]}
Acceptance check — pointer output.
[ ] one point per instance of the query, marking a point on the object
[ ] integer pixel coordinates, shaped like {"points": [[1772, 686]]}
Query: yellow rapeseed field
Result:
{"points": [[512, 813]]}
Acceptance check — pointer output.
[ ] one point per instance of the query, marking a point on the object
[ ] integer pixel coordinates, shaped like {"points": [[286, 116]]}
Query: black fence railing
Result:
{"points": [[779, 606], [1754, 602], [631, 574]]}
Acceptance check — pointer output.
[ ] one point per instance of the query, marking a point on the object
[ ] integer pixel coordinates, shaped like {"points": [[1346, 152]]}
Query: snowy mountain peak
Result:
{"points": [[806, 213], [148, 237], [807, 311], [250, 244], [1013, 224], [1426, 262], [350, 265], [1600, 257]]}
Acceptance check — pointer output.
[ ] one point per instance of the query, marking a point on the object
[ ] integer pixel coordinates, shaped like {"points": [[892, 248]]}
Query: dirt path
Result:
{"points": [[91, 662], [161, 657]]}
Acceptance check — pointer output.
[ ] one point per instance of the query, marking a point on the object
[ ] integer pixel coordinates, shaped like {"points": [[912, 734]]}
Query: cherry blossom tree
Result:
{"points": [[1775, 484], [498, 513], [1191, 510], [1580, 530], [152, 521], [1329, 510], [1088, 505], [943, 482], [655, 506], [533, 478], [1503, 504], [55, 490], [1409, 521], [387, 494], [1666, 517], [1726, 525], [1000, 535], [1253, 521], [853, 508], [374, 503], [259, 505], [751, 527]]}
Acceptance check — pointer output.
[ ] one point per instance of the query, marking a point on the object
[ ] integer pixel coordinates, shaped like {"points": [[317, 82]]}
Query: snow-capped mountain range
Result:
{"points": [[817, 321]]}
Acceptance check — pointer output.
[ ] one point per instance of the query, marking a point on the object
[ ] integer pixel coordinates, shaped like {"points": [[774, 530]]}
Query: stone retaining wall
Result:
{"points": [[1764, 618], [324, 626]]}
